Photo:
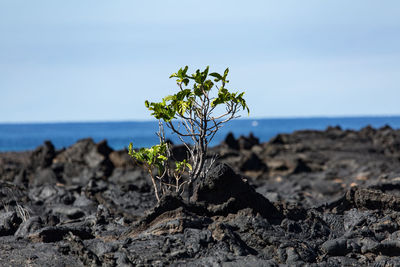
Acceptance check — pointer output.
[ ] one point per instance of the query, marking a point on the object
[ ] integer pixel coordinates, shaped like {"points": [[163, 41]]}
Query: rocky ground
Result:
{"points": [[311, 198]]}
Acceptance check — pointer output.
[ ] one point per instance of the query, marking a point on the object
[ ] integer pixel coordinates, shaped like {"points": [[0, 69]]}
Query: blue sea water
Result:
{"points": [[27, 136]]}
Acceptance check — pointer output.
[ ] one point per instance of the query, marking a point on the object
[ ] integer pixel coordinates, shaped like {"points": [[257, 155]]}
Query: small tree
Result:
{"points": [[190, 114]]}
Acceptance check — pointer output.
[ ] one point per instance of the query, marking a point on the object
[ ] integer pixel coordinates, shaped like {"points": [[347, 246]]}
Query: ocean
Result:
{"points": [[27, 136]]}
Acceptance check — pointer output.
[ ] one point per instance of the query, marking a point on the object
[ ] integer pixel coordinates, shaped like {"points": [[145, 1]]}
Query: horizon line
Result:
{"points": [[241, 118]]}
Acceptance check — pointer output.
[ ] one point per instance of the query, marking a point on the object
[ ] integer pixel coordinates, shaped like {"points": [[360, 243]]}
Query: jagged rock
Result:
{"points": [[57, 233], [77, 152], [373, 199], [69, 212], [51, 194], [43, 156], [231, 142], [9, 222], [280, 139], [121, 159], [21, 178], [12, 163], [136, 179], [78, 248], [248, 142], [44, 176], [225, 191], [253, 163], [301, 167], [335, 247], [85, 160], [170, 215], [338, 206], [31, 225], [389, 247], [98, 155]]}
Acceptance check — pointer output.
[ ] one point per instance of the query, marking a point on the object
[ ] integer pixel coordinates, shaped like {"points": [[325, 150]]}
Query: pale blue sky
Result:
{"points": [[83, 60]]}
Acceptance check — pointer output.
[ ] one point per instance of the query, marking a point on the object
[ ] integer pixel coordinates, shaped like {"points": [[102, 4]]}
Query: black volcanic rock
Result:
{"points": [[231, 142], [278, 140], [301, 166], [248, 142], [225, 191], [29, 226], [9, 222], [253, 163], [44, 176], [85, 151], [83, 161], [335, 193], [43, 156]]}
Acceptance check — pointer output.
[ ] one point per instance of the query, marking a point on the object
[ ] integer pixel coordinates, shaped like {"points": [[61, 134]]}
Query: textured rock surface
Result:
{"points": [[310, 198]]}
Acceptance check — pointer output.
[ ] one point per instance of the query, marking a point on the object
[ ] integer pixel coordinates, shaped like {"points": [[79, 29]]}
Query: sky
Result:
{"points": [[98, 60]]}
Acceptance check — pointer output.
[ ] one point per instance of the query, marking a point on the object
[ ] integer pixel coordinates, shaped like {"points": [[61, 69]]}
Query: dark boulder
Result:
{"points": [[248, 142], [9, 222], [280, 139], [224, 191], [85, 160], [335, 247], [85, 151], [43, 156], [76, 153], [368, 131], [57, 233], [253, 163], [97, 157], [334, 132], [231, 142]]}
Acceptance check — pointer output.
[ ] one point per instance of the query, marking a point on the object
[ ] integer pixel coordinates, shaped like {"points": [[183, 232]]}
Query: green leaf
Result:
{"points": [[161, 157], [197, 76], [208, 85], [169, 98], [130, 147], [189, 166], [217, 76], [204, 74], [182, 94], [226, 73], [185, 70], [197, 90]]}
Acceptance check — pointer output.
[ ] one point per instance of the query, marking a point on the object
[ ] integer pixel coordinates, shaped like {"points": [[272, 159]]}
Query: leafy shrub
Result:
{"points": [[192, 114]]}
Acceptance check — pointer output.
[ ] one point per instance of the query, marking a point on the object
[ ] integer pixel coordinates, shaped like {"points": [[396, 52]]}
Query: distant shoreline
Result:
{"points": [[28, 136]]}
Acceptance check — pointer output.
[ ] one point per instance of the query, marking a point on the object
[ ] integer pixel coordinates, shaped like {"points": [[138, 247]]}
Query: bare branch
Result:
{"points": [[171, 126]]}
